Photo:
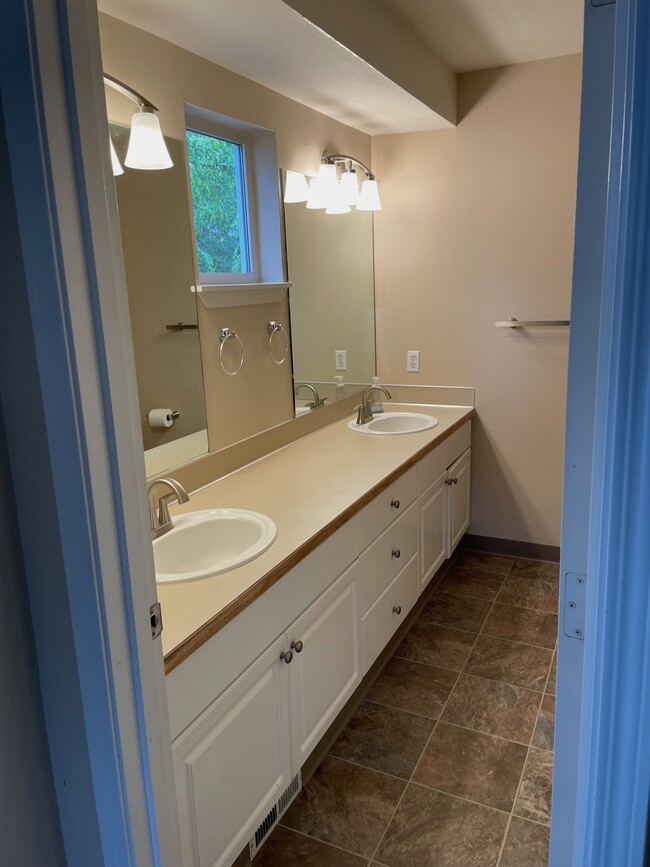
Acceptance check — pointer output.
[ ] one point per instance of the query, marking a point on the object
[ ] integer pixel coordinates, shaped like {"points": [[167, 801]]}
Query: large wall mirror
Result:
{"points": [[328, 318], [330, 263]]}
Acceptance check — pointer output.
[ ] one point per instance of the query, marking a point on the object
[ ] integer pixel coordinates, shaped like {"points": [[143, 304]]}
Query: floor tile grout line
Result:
{"points": [[491, 602], [481, 633], [325, 842], [523, 771], [433, 731]]}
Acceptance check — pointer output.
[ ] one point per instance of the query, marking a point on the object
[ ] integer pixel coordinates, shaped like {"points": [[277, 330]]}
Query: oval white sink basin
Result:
{"points": [[209, 542], [396, 423]]}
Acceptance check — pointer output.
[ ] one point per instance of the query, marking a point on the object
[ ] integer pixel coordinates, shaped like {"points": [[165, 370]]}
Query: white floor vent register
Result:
{"points": [[274, 815]]}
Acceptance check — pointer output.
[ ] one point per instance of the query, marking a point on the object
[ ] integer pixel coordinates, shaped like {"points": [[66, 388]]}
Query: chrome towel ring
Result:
{"points": [[273, 328], [226, 334]]}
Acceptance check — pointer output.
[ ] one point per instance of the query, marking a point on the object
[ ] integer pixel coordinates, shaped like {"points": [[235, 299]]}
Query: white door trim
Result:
{"points": [[67, 385]]}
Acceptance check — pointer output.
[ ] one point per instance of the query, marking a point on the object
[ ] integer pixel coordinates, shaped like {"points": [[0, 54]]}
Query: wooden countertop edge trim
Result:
{"points": [[187, 647]]}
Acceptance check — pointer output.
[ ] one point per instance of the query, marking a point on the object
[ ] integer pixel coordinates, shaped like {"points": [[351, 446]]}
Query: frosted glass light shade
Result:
{"points": [[317, 195], [147, 148], [350, 187], [338, 203], [369, 197], [329, 178], [296, 188], [115, 160]]}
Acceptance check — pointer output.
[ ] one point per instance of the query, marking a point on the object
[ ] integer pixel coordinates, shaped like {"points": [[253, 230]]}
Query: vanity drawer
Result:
{"points": [[387, 506], [389, 612], [382, 560]]}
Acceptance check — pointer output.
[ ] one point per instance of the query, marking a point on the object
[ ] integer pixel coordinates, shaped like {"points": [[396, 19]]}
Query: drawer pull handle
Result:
{"points": [[297, 646], [397, 609], [397, 553], [451, 481], [287, 656], [395, 504]]}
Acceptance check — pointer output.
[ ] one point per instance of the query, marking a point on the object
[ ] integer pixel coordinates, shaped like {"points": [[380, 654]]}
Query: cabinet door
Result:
{"points": [[433, 513], [326, 667], [232, 763], [458, 475]]}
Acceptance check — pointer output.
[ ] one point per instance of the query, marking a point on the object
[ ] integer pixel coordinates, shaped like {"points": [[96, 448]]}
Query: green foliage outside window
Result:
{"points": [[218, 199]]}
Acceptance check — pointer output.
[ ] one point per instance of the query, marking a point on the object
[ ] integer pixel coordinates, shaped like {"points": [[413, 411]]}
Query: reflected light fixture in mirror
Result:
{"points": [[115, 160], [147, 149], [333, 193], [297, 188]]}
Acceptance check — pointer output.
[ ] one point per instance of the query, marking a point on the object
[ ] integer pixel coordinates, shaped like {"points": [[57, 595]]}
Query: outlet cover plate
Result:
{"points": [[341, 359], [412, 360]]}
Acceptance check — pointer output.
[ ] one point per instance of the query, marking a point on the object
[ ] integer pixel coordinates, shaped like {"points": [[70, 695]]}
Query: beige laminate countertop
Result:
{"points": [[309, 488]]}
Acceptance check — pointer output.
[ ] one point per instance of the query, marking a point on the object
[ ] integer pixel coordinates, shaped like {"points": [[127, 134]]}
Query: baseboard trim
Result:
{"points": [[511, 548]]}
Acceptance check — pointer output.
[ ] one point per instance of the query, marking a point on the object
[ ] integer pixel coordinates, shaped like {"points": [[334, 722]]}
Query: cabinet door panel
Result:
{"points": [[233, 762], [459, 508], [325, 673], [433, 512]]}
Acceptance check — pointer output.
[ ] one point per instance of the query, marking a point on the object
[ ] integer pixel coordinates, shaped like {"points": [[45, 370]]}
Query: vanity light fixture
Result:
{"points": [[147, 149], [333, 192], [296, 188]]}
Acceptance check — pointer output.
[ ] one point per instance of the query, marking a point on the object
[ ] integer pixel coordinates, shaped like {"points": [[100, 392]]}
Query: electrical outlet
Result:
{"points": [[413, 361], [341, 359]]}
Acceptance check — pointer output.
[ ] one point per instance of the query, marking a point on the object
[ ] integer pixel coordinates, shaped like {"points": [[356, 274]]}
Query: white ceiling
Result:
{"points": [[268, 42], [479, 34]]}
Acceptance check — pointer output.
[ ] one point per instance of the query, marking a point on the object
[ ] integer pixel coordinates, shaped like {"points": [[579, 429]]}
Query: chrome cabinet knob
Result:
{"points": [[397, 609], [395, 504], [397, 553], [287, 656], [297, 646]]}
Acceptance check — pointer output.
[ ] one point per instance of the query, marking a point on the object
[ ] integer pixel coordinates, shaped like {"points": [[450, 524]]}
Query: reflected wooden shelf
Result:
{"points": [[240, 294]]}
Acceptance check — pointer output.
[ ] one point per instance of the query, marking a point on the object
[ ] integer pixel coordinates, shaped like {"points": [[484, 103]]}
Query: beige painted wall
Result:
{"points": [[477, 226], [171, 77]]}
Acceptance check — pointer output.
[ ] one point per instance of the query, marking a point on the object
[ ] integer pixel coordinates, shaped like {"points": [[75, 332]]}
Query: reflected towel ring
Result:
{"points": [[272, 328], [225, 334]]}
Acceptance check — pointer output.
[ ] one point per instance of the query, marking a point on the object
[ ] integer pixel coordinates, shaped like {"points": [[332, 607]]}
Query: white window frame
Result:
{"points": [[230, 134]]}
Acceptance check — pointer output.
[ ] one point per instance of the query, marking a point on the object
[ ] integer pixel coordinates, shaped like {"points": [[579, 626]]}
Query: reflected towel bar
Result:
{"points": [[534, 323], [181, 326]]}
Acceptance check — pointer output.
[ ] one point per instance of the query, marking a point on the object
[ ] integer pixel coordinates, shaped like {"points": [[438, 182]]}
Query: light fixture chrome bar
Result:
{"points": [[341, 158], [129, 92], [534, 323]]}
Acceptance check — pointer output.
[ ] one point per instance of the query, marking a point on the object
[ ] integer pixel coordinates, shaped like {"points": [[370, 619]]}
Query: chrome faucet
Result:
{"points": [[160, 519], [364, 412], [318, 400]]}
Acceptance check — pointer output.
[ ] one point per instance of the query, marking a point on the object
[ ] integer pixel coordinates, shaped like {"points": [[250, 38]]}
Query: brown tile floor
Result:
{"points": [[448, 761]]}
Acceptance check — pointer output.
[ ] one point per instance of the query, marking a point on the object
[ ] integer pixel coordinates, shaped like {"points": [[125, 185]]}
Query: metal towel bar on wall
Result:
{"points": [[533, 323]]}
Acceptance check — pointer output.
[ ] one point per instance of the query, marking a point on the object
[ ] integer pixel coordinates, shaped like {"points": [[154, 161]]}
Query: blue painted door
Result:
{"points": [[595, 127]]}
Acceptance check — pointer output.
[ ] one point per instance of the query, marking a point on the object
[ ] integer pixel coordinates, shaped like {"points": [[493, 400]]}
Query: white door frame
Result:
{"points": [[67, 386]]}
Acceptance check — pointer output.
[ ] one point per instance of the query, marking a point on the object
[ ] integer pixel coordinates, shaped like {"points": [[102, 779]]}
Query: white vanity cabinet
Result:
{"points": [[326, 665], [443, 501], [249, 706], [433, 510], [458, 482], [238, 757], [233, 762]]}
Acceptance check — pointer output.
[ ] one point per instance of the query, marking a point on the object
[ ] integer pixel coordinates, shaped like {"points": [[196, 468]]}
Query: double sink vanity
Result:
{"points": [[338, 534]]}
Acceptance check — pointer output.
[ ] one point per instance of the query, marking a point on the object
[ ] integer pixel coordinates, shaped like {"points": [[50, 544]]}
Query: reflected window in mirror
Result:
{"points": [[221, 206]]}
